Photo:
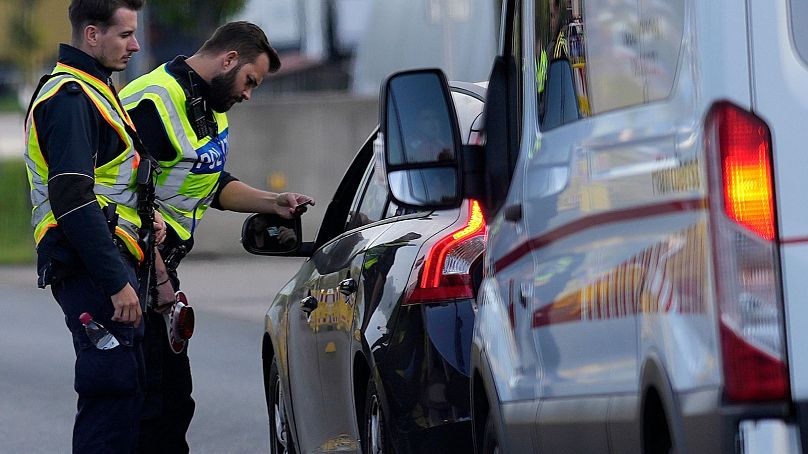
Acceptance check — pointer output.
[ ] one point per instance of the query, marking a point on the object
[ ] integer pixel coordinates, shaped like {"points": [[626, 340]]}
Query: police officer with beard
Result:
{"points": [[179, 109]]}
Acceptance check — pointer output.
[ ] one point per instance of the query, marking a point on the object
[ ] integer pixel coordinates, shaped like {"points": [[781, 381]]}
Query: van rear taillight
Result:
{"points": [[746, 164], [745, 250], [444, 274]]}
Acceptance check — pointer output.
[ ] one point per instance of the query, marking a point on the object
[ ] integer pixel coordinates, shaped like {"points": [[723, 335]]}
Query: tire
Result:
{"points": [[280, 438], [374, 436], [656, 436], [490, 441]]}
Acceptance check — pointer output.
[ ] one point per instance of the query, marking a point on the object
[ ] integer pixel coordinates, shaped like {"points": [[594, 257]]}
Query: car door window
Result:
{"points": [[371, 201]]}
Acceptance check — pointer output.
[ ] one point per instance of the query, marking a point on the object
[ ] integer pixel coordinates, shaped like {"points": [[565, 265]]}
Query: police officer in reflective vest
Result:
{"points": [[81, 161], [179, 110]]}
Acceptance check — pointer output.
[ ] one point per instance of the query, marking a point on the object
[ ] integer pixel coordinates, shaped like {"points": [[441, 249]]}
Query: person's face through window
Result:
{"points": [[116, 44], [236, 85]]}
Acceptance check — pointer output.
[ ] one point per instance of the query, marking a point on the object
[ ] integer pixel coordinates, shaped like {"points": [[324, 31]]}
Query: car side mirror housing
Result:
{"points": [[419, 144], [270, 234]]}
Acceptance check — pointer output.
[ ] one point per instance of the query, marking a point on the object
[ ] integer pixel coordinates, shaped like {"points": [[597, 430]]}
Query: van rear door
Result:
{"points": [[779, 78]]}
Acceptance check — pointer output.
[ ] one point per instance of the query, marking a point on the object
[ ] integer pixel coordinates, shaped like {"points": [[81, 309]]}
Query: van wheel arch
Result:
{"points": [[485, 409], [660, 421], [480, 407]]}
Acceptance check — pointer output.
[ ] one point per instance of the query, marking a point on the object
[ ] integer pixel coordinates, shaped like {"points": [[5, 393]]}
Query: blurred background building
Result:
{"points": [[323, 101]]}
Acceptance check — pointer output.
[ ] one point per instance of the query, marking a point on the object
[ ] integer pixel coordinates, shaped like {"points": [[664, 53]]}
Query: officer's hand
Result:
{"points": [[127, 306], [288, 201], [159, 228]]}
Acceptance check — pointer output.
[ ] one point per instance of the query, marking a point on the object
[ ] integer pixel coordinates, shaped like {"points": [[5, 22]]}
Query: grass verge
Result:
{"points": [[16, 234]]}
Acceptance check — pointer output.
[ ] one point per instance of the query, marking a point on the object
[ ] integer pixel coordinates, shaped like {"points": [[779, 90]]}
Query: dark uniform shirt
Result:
{"points": [[75, 139], [155, 138]]}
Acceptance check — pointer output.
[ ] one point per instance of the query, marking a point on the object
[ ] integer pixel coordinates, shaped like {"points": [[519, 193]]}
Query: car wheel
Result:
{"points": [[280, 440], [490, 441], [374, 438]]}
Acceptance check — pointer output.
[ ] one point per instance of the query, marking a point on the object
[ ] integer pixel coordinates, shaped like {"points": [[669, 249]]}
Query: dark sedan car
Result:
{"points": [[366, 349]]}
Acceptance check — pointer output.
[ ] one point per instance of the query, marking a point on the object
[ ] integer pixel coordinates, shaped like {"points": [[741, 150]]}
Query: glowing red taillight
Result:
{"points": [[750, 308], [745, 146], [445, 270]]}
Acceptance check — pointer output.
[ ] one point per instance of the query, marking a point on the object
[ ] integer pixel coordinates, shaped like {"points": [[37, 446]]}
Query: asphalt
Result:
{"points": [[230, 296]]}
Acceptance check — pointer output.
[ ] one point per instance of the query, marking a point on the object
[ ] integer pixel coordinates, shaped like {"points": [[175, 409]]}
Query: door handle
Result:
{"points": [[348, 287], [513, 213], [309, 304]]}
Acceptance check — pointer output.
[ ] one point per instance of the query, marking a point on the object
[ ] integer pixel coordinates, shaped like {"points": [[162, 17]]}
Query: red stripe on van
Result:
{"points": [[794, 240], [656, 285], [609, 217]]}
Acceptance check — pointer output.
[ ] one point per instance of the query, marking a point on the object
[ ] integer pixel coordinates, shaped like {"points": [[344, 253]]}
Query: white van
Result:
{"points": [[644, 178]]}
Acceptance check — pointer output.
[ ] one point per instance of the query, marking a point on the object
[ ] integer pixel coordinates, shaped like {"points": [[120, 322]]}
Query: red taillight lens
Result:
{"points": [[751, 327], [750, 373], [445, 273], [745, 146]]}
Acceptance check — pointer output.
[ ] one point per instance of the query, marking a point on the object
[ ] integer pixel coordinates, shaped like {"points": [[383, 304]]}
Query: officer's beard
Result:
{"points": [[222, 88]]}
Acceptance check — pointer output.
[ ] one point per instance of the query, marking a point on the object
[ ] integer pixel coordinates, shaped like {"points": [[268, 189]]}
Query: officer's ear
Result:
{"points": [[91, 33], [230, 60]]}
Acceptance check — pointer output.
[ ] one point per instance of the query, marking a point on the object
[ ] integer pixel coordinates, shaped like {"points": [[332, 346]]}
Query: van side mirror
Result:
{"points": [[420, 146], [270, 234]]}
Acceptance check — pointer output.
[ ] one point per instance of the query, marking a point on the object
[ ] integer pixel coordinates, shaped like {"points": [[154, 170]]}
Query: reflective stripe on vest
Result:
{"points": [[188, 182], [114, 182]]}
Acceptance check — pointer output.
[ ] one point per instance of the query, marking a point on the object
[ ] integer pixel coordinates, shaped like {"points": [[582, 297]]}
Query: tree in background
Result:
{"points": [[25, 31], [194, 19]]}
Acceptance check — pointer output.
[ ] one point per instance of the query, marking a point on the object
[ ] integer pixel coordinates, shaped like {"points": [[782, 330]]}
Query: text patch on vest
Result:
{"points": [[211, 157]]}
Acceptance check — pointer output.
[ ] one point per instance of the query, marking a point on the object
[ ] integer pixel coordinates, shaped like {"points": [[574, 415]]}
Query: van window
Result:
{"points": [[799, 11], [516, 52], [612, 53], [618, 57], [560, 58], [661, 29]]}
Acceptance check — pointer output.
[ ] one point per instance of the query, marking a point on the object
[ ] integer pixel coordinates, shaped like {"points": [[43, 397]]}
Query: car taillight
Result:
{"points": [[745, 249], [444, 274]]}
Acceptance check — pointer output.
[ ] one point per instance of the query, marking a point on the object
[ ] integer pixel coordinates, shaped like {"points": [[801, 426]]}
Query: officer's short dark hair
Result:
{"points": [[245, 38], [97, 12]]}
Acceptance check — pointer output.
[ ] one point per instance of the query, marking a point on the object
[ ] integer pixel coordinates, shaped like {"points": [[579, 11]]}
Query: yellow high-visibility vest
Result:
{"points": [[187, 183], [114, 181]]}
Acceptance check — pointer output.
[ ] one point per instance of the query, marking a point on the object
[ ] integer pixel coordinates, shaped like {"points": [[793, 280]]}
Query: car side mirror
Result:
{"points": [[419, 142], [270, 234]]}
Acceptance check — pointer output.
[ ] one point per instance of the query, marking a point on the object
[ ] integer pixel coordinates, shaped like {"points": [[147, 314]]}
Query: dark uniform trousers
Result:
{"points": [[110, 383], [168, 408]]}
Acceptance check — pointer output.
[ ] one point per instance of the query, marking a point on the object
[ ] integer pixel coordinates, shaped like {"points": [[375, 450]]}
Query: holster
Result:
{"points": [[173, 255]]}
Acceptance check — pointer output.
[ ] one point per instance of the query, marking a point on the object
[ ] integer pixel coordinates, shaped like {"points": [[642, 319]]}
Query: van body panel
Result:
{"points": [[794, 258], [562, 421], [781, 99], [721, 53], [512, 370], [623, 431]]}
